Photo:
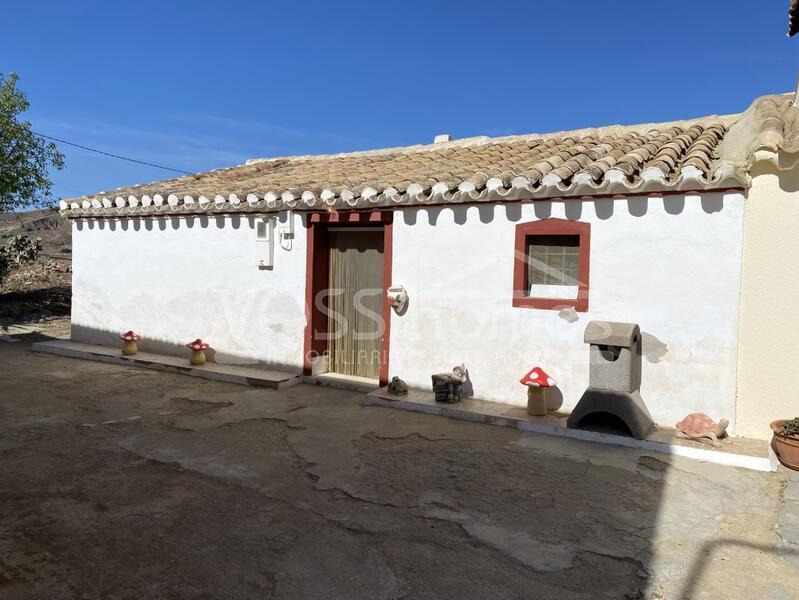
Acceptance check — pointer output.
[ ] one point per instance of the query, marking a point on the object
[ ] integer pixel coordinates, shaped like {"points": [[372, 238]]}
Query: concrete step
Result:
{"points": [[734, 451], [244, 375]]}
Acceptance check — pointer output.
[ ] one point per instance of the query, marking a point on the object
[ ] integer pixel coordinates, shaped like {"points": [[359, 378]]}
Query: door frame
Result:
{"points": [[317, 274]]}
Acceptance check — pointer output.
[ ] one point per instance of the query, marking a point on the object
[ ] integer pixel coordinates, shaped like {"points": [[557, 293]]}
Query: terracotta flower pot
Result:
{"points": [[786, 446]]}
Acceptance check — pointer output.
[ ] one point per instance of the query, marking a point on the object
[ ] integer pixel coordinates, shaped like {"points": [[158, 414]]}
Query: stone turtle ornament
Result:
{"points": [[700, 427]]}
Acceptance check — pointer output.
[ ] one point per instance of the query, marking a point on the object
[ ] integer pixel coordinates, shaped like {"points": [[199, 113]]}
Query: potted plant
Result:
{"points": [[786, 440]]}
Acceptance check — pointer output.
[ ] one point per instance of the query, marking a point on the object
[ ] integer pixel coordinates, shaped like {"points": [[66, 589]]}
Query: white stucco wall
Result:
{"points": [[769, 350], [175, 279], [672, 265]]}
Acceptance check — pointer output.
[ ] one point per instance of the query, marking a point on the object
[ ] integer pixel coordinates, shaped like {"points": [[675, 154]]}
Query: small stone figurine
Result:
{"points": [[700, 427], [129, 339], [198, 348], [448, 387], [397, 386]]}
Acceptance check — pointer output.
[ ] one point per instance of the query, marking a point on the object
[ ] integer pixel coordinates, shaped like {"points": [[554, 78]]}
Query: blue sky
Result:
{"points": [[199, 85]]}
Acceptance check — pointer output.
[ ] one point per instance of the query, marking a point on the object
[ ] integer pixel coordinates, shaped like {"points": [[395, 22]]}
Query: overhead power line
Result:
{"points": [[133, 160]]}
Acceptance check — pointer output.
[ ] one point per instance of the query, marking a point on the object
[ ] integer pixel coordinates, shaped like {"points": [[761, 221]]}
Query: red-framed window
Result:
{"points": [[551, 264]]}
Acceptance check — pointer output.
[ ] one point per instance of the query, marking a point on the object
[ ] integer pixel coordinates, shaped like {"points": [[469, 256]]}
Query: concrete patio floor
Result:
{"points": [[129, 483]]}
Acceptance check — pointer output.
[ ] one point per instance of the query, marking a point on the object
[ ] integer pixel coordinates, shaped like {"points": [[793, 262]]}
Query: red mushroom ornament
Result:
{"points": [[198, 348], [538, 385], [537, 377], [129, 340]]}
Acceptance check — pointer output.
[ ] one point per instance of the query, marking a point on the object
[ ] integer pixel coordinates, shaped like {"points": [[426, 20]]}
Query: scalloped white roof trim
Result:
{"points": [[614, 182]]}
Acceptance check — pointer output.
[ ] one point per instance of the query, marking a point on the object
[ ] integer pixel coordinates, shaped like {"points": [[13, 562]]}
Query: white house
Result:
{"points": [[506, 247]]}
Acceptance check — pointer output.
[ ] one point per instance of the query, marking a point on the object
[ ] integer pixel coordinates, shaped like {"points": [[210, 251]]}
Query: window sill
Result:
{"points": [[579, 304]]}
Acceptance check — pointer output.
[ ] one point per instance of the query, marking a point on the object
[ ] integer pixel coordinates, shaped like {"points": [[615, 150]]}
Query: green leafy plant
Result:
{"points": [[790, 427], [25, 158]]}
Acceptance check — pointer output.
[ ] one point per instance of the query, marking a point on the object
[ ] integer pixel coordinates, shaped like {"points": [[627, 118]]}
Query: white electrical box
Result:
{"points": [[285, 229], [264, 242]]}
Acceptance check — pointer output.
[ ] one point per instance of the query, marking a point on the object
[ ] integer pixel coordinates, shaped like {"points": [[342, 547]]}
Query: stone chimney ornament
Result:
{"points": [[614, 377]]}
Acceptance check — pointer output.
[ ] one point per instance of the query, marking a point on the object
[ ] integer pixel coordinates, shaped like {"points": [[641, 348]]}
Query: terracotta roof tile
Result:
{"points": [[690, 155]]}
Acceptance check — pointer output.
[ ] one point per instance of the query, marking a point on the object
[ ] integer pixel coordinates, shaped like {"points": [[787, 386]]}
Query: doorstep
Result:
{"points": [[352, 383], [734, 451], [174, 364]]}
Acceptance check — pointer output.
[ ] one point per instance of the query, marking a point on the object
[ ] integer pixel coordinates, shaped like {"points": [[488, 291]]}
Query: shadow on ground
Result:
{"points": [[32, 305], [128, 483]]}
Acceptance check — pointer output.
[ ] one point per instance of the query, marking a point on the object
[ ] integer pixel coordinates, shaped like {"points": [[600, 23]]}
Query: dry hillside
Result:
{"points": [[41, 289]]}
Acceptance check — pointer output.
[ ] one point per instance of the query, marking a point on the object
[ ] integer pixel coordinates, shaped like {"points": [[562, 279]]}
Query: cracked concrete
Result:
{"points": [[787, 525], [215, 490]]}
